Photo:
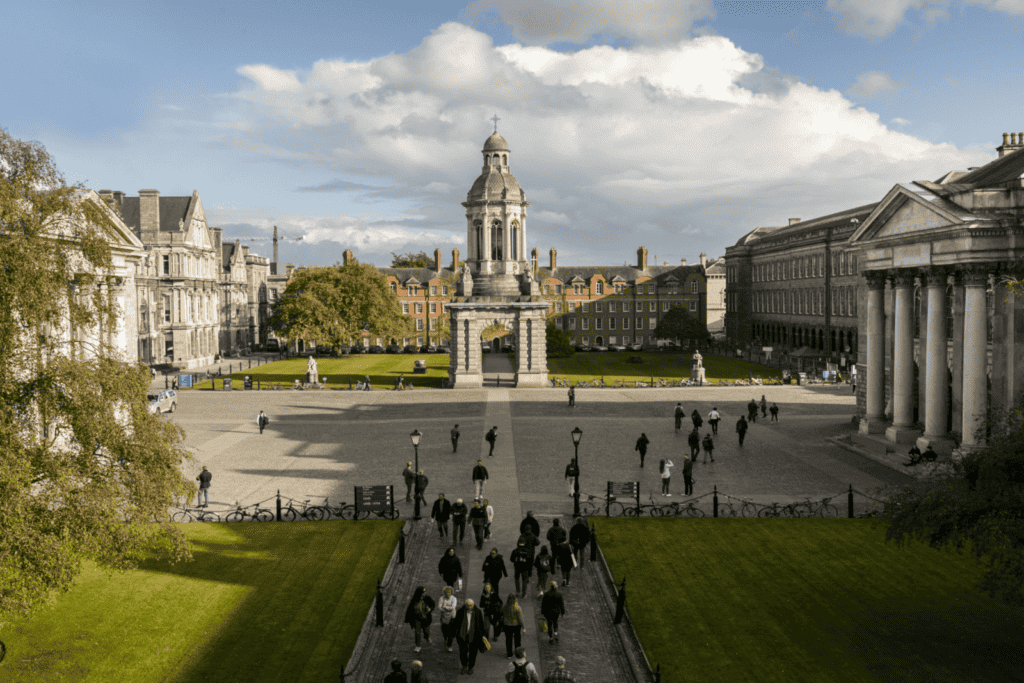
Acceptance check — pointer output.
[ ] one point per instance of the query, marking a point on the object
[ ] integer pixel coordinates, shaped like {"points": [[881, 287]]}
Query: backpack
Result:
{"points": [[519, 674], [544, 563]]}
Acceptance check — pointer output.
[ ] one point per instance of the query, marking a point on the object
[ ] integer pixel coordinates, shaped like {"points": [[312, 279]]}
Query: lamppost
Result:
{"points": [[577, 434], [415, 436]]}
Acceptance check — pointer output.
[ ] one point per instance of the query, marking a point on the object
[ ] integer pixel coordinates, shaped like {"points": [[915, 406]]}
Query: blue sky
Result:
{"points": [[679, 126]]}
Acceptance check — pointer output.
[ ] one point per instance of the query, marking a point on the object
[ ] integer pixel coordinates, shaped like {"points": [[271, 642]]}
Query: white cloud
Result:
{"points": [[542, 22], [269, 78], [872, 83], [879, 18], [1014, 7], [604, 141], [901, 122]]}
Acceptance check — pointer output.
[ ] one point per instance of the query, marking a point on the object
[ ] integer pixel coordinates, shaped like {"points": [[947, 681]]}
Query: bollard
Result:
{"points": [[350, 383], [380, 606], [849, 502], [657, 674], [620, 602], [652, 381], [279, 505], [250, 363], [166, 382], [401, 548], [593, 544], [714, 502]]}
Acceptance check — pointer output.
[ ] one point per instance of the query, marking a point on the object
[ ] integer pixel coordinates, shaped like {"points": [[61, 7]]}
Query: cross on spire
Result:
{"points": [[495, 119]]}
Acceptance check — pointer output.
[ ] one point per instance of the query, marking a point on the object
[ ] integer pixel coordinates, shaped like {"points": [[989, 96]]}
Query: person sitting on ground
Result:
{"points": [[915, 456], [929, 454]]}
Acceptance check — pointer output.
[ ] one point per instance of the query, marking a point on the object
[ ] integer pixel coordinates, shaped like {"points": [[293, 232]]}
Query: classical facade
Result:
{"points": [[714, 272], [243, 286]]}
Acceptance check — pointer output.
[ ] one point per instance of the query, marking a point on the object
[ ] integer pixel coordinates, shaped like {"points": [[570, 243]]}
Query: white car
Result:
{"points": [[164, 402]]}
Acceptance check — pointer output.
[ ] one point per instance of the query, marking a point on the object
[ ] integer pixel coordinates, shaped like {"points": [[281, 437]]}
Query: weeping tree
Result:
{"points": [[86, 471]]}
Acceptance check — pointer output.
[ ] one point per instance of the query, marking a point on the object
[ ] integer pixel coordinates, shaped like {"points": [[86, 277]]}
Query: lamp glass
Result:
{"points": [[577, 434], [415, 436]]}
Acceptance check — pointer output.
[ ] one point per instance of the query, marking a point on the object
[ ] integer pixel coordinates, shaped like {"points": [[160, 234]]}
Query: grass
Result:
{"points": [[382, 368], [660, 365], [261, 602], [806, 600]]}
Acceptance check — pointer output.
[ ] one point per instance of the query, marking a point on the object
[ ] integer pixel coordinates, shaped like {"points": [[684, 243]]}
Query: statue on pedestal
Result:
{"points": [[697, 369], [311, 373], [466, 281]]}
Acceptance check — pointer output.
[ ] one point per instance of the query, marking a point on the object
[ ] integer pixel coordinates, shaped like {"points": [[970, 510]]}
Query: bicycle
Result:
{"points": [[313, 513], [342, 511], [593, 506], [677, 509], [386, 513], [186, 514], [241, 513], [747, 509]]}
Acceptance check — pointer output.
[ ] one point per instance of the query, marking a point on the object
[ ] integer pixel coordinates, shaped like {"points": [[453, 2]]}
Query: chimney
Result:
{"points": [[275, 247], [553, 254], [1016, 142], [346, 257], [703, 260], [641, 258], [216, 233], [149, 210], [533, 258], [794, 221], [289, 269], [455, 260], [684, 262], [437, 260]]}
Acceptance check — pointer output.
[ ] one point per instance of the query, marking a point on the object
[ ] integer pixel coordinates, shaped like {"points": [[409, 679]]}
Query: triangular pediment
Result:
{"points": [[904, 212], [118, 235], [576, 279], [197, 233]]}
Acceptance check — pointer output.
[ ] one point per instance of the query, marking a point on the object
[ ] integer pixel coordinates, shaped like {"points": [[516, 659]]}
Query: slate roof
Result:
{"points": [[1001, 170], [172, 210], [626, 273], [421, 275]]}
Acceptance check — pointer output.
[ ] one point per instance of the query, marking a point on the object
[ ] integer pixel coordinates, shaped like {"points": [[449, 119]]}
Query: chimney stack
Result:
{"points": [[1011, 143], [641, 258], [437, 260], [703, 260], [275, 247], [794, 221], [346, 257], [553, 254], [455, 260], [684, 262], [149, 210]]}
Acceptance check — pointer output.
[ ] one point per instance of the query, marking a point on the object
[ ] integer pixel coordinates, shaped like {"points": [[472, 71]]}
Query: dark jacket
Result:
{"points": [[479, 472], [530, 521], [688, 467], [697, 419], [752, 408], [641, 444], [552, 604], [544, 563], [396, 677], [522, 559], [709, 444], [409, 475], [491, 435], [579, 535], [491, 605], [563, 553], [421, 482], [204, 479], [694, 439], [450, 567], [442, 510], [418, 676], [475, 631], [459, 512], [494, 567], [556, 535], [478, 516], [571, 470], [741, 425], [411, 616]]}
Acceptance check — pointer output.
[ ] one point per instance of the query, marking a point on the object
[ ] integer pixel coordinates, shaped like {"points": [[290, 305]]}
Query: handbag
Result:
{"points": [[486, 643]]}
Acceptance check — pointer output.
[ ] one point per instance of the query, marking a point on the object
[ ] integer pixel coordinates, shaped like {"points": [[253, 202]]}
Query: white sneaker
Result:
{"points": [[669, 495], [417, 648]]}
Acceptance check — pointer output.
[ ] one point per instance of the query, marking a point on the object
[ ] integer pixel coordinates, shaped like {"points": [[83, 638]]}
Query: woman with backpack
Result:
{"points": [[513, 623], [417, 615], [543, 565]]}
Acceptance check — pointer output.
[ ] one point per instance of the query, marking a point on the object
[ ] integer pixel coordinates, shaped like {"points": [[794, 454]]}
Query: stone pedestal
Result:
{"points": [[468, 320]]}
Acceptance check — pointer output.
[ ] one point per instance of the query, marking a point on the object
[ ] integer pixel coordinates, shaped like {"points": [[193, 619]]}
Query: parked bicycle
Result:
{"points": [[313, 513], [385, 513], [744, 509], [242, 513], [673, 509], [342, 511], [187, 514]]}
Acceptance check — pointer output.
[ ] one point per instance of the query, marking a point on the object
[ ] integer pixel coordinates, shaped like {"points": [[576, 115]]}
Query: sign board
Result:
{"points": [[623, 489], [374, 498], [184, 381], [227, 384], [247, 382]]}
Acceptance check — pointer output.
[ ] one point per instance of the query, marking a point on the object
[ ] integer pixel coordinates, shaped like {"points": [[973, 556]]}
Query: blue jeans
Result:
{"points": [[203, 493]]}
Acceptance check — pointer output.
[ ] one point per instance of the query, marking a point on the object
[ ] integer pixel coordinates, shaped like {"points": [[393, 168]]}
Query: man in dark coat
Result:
{"points": [[579, 537], [774, 410], [204, 487], [410, 479], [564, 557], [478, 518], [530, 521], [572, 397], [641, 446], [450, 567], [528, 539], [752, 410], [396, 675], [694, 441], [522, 560], [459, 513], [479, 478], [572, 470], [698, 421], [741, 429], [455, 439], [556, 534], [421, 486], [679, 416], [552, 606], [469, 634], [494, 570], [440, 513], [687, 476], [764, 406], [492, 438], [709, 448]]}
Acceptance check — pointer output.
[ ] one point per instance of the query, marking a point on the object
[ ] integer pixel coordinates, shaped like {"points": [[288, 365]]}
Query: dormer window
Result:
{"points": [[599, 288]]}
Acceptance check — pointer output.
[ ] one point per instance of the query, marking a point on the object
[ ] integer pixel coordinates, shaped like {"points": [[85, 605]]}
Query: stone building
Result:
{"points": [[714, 272], [243, 285]]}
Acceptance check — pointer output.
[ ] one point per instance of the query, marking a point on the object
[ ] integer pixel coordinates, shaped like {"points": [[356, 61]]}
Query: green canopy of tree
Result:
{"points": [[335, 305], [85, 468], [677, 323], [411, 260], [559, 345], [975, 505]]}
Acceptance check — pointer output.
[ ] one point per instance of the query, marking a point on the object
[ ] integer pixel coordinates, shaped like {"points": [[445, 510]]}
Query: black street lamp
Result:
{"points": [[577, 434], [415, 436]]}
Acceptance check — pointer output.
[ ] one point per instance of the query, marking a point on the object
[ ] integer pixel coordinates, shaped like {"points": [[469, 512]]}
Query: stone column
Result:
{"points": [[875, 380], [957, 360], [937, 372], [975, 359], [903, 358]]}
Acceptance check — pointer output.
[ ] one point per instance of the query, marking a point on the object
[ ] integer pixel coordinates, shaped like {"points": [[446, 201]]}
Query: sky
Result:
{"points": [[676, 125]]}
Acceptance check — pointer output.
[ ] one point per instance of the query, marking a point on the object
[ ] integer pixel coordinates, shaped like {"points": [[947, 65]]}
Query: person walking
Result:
{"points": [[396, 675], [665, 467], [572, 470], [450, 567], [455, 439], [572, 397], [741, 429], [543, 565], [492, 438], [512, 623], [709, 448], [480, 477], [752, 411], [579, 538], [417, 615], [697, 420], [410, 478], [641, 446], [421, 486], [416, 674], [262, 421], [566, 561], [446, 608], [552, 606], [478, 518], [531, 522], [694, 441], [556, 534], [366, 382], [559, 674], [714, 417], [204, 479], [469, 634], [522, 562], [489, 510], [459, 513], [687, 475], [519, 670], [764, 407], [774, 410], [679, 416], [529, 539], [491, 604], [494, 569], [440, 513]]}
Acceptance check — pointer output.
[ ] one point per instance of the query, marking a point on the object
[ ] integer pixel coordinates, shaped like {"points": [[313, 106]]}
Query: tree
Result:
{"points": [[678, 324], [411, 260], [558, 342], [85, 468], [339, 305]]}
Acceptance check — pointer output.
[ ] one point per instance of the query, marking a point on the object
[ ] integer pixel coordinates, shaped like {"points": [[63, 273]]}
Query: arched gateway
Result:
{"points": [[497, 285]]}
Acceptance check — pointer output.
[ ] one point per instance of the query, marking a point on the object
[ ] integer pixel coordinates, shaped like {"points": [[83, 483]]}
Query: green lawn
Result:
{"points": [[806, 600], [261, 602], [614, 366], [382, 368]]}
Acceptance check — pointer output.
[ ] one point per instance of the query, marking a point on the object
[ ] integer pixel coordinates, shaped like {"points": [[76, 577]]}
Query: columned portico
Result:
{"points": [[468, 320], [975, 373], [903, 359], [937, 381], [876, 354]]}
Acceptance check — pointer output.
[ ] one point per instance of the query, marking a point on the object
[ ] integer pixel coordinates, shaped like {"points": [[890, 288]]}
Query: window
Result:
{"points": [[586, 307], [625, 307], [597, 323], [640, 339], [167, 307], [652, 307], [572, 306], [433, 308], [576, 289], [598, 307], [611, 323], [547, 290], [444, 290], [652, 323], [599, 288], [586, 341], [419, 308], [419, 341], [625, 340], [405, 341], [558, 323], [405, 309], [611, 306], [167, 265], [664, 306], [639, 323], [586, 324], [693, 287], [572, 323], [693, 306], [650, 289], [558, 289], [558, 307], [419, 324], [625, 323]]}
